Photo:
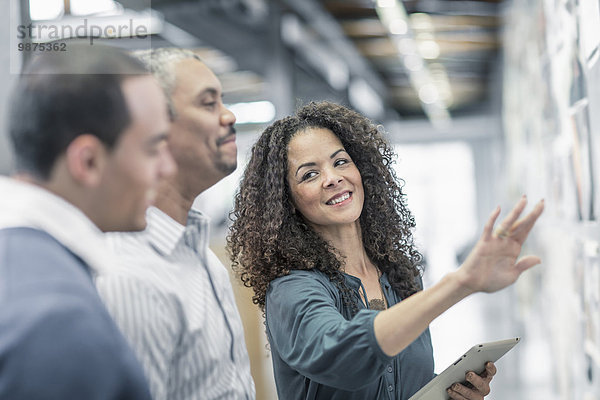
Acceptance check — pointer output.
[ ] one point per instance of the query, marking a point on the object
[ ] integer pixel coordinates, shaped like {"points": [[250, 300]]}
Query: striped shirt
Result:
{"points": [[173, 300]]}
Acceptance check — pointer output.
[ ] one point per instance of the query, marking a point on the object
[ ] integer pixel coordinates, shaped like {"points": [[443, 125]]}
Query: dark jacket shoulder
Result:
{"points": [[57, 340]]}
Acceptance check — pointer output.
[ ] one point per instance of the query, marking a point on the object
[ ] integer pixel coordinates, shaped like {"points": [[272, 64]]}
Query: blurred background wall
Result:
{"points": [[7, 79], [484, 100]]}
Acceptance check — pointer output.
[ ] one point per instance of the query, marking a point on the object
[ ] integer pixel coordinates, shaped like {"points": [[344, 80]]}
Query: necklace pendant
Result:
{"points": [[377, 304]]}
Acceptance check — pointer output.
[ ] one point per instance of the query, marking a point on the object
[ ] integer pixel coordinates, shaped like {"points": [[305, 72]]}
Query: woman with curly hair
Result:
{"points": [[322, 234]]}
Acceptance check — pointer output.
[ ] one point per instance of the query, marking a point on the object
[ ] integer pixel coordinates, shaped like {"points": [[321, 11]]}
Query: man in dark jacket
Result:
{"points": [[88, 129]]}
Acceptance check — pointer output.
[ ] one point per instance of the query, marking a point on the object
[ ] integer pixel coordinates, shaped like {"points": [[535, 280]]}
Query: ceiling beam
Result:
{"points": [[329, 28], [468, 128]]}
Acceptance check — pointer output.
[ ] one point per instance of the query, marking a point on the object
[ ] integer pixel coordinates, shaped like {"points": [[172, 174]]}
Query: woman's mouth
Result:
{"points": [[339, 199]]}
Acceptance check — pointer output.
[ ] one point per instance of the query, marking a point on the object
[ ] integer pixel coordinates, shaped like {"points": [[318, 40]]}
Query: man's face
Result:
{"points": [[202, 138], [139, 161]]}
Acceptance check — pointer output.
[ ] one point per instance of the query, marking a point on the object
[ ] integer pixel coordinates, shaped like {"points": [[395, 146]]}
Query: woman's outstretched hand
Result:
{"points": [[492, 264]]}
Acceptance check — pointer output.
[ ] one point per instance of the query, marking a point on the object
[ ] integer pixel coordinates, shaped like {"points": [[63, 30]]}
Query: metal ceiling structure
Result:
{"points": [[458, 39], [340, 47], [390, 59]]}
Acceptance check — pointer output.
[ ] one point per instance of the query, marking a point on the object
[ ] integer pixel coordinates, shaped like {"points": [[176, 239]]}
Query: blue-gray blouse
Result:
{"points": [[320, 352]]}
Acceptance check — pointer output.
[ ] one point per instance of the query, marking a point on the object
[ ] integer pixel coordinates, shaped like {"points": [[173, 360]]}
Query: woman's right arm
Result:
{"points": [[492, 265]]}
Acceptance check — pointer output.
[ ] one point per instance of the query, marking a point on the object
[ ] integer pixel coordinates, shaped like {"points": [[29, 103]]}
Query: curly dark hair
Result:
{"points": [[268, 239]]}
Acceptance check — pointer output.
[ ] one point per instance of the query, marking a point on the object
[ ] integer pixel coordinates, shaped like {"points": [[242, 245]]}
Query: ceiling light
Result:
{"points": [[415, 45], [86, 7], [365, 99], [398, 27], [428, 93], [421, 21], [45, 9], [255, 112], [386, 3], [407, 46], [413, 62], [429, 49]]}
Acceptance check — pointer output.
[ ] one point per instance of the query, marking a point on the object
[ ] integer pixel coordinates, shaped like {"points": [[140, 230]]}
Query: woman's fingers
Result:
{"points": [[527, 262], [489, 225], [504, 227], [461, 392], [455, 394], [480, 383], [490, 370], [520, 230], [511, 227]]}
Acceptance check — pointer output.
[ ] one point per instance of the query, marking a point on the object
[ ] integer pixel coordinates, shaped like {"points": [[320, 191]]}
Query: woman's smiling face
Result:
{"points": [[326, 187]]}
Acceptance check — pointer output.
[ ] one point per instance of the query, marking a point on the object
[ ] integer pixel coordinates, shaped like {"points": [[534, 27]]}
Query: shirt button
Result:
{"points": [[390, 388], [389, 368]]}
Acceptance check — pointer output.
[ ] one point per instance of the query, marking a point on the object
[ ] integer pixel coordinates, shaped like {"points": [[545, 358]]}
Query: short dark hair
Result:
{"points": [[62, 95]]}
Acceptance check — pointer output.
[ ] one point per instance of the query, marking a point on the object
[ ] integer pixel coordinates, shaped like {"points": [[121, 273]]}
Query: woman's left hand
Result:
{"points": [[480, 385]]}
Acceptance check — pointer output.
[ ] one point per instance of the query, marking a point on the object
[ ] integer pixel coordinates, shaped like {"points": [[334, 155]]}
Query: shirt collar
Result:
{"points": [[27, 205], [354, 283], [164, 233]]}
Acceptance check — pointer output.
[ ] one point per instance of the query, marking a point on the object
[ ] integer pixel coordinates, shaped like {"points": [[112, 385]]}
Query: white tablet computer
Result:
{"points": [[473, 360]]}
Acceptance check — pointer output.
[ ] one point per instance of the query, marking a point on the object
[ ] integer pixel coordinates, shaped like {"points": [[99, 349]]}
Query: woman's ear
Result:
{"points": [[85, 159]]}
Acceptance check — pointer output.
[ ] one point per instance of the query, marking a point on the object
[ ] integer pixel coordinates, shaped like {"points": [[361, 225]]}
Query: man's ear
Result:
{"points": [[86, 159]]}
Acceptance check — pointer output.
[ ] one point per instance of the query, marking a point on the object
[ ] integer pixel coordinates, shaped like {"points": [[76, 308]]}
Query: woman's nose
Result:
{"points": [[332, 179]]}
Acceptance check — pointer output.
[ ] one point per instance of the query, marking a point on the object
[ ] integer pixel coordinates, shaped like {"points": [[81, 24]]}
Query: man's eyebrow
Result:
{"points": [[157, 139], [211, 91]]}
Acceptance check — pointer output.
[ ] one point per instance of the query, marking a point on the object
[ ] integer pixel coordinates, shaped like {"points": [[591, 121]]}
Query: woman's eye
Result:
{"points": [[308, 175], [341, 161]]}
